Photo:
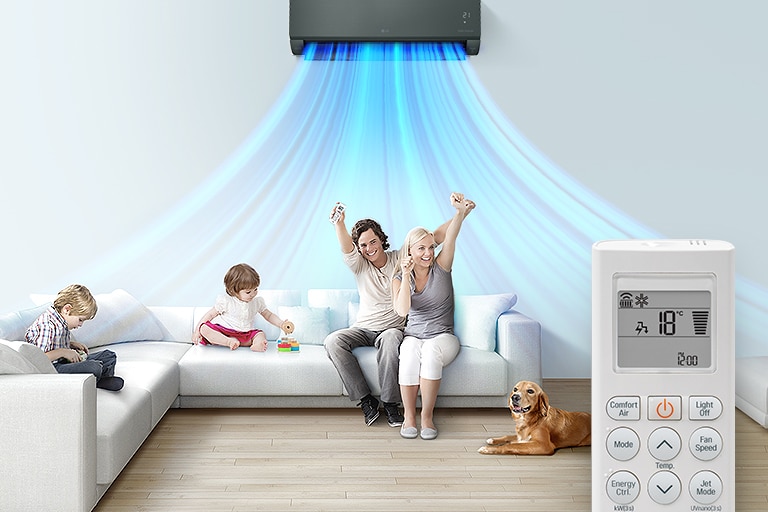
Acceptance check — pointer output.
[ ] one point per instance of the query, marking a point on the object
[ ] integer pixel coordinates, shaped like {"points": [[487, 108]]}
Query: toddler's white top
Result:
{"points": [[236, 314]]}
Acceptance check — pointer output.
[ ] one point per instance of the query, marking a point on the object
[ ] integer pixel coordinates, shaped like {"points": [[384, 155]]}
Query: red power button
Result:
{"points": [[664, 407]]}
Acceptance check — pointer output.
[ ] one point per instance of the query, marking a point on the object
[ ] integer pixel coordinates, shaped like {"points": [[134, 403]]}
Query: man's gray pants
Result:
{"points": [[339, 345]]}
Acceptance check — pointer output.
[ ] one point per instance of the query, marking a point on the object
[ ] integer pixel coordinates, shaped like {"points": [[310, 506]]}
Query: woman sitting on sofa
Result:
{"points": [[423, 290]]}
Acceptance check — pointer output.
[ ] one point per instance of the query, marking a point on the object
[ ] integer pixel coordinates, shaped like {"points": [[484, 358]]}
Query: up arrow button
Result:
{"points": [[664, 443]]}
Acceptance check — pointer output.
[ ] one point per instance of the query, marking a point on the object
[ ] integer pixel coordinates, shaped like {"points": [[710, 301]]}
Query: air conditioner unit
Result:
{"points": [[331, 21]]}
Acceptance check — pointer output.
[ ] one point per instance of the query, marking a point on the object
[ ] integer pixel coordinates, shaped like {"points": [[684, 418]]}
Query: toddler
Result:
{"points": [[231, 321]]}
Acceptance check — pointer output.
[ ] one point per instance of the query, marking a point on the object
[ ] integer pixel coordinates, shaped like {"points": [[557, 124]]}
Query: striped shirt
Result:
{"points": [[49, 331]]}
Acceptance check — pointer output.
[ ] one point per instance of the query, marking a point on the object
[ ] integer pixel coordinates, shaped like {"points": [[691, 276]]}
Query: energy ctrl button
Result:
{"points": [[664, 408]]}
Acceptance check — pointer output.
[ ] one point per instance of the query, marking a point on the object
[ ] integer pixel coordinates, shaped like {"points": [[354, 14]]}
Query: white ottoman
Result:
{"points": [[752, 388]]}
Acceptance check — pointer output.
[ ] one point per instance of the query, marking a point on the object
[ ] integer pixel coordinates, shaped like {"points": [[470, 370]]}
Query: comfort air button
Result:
{"points": [[623, 408]]}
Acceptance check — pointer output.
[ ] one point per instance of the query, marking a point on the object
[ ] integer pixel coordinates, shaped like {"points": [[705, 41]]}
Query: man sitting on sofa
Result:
{"points": [[366, 254]]}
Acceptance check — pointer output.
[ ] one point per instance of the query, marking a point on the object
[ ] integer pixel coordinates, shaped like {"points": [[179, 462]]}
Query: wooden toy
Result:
{"points": [[288, 344]]}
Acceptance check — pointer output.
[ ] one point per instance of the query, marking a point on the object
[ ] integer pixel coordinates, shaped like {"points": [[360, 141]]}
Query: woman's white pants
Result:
{"points": [[425, 358]]}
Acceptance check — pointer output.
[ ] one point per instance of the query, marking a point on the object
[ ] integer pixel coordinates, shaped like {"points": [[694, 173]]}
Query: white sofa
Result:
{"points": [[67, 441], [752, 387]]}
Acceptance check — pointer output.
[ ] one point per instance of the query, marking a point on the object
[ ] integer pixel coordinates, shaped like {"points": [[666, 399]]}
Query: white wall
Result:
{"points": [[656, 106], [112, 112]]}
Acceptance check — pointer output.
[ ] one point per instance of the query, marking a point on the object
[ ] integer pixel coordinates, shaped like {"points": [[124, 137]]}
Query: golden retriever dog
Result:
{"points": [[539, 428]]}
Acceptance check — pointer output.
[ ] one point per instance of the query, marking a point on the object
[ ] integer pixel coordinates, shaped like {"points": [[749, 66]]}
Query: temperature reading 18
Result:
{"points": [[687, 360], [667, 320]]}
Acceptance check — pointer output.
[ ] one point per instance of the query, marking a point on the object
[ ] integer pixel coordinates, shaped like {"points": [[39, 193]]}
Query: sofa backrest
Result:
{"points": [[274, 300], [178, 322], [327, 310], [475, 316], [120, 318], [341, 304], [317, 313]]}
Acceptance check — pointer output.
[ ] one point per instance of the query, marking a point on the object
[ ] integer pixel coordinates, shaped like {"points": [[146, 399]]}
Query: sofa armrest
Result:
{"points": [[48, 442], [518, 341]]}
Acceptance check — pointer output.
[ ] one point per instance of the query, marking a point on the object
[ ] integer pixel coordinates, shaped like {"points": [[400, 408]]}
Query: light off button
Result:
{"points": [[623, 408], [704, 407]]}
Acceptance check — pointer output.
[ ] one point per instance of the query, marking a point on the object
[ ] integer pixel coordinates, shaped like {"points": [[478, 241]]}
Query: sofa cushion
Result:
{"points": [[353, 308], [475, 318], [336, 301], [307, 372], [13, 326], [159, 377], [153, 366], [474, 372], [120, 318], [13, 363], [124, 420], [18, 357], [752, 387], [311, 323], [274, 299], [149, 350]]}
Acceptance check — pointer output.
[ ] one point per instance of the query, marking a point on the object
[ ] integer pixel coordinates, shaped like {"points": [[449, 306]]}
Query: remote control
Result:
{"points": [[337, 213], [663, 388]]}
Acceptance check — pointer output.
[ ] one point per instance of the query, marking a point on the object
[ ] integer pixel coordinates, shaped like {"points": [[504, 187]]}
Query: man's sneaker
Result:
{"points": [[370, 409], [392, 410]]}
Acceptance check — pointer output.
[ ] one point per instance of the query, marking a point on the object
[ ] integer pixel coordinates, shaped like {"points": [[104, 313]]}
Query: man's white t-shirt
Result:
{"points": [[374, 285]]}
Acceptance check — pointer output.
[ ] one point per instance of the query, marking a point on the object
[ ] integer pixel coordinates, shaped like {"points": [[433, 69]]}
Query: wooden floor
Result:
{"points": [[237, 460]]}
